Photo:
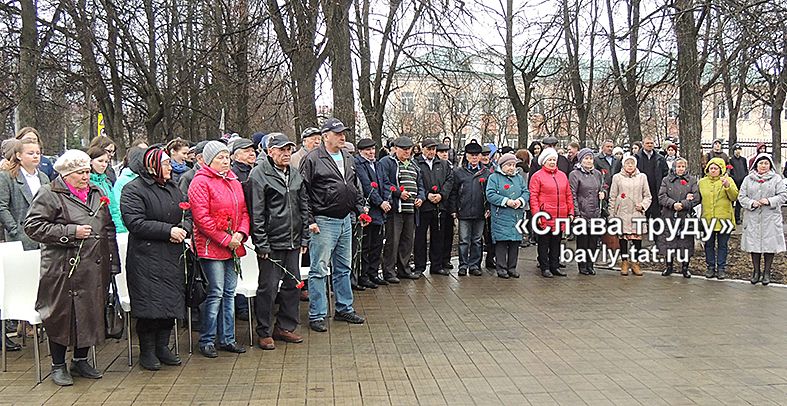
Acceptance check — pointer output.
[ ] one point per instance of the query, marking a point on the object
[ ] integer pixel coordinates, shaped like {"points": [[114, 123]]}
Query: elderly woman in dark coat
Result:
{"points": [[156, 277], [678, 195], [70, 218], [587, 187]]}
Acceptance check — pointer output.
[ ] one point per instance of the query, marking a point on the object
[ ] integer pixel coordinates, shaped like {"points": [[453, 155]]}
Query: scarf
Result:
{"points": [[80, 194], [153, 159], [179, 167]]}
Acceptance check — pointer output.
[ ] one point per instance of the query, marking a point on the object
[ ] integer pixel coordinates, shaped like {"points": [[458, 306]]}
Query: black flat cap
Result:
{"points": [[473, 148], [443, 147], [241, 143], [364, 143], [403, 142], [429, 143]]}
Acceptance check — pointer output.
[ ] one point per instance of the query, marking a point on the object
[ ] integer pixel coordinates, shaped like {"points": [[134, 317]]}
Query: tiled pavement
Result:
{"points": [[481, 340]]}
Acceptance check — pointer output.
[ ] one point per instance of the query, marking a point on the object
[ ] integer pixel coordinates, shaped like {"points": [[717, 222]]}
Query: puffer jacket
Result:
{"points": [[763, 229], [469, 194], [626, 192], [585, 186], [716, 199], [279, 210], [500, 188], [551, 193], [212, 197]]}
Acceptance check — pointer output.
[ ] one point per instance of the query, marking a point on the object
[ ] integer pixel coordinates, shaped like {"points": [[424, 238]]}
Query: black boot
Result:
{"points": [[685, 270], [84, 369], [766, 277], [669, 270], [60, 375], [755, 275], [147, 350], [162, 348], [589, 267], [721, 274]]}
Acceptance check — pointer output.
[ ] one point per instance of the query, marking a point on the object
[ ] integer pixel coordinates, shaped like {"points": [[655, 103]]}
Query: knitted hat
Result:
{"points": [[7, 148], [617, 150], [506, 158], [547, 153], [584, 152], [627, 157], [71, 161], [759, 158], [212, 149]]}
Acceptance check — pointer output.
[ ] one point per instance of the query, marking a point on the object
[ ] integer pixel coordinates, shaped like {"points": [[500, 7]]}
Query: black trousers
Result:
{"points": [[372, 250], [269, 293], [506, 254], [587, 242], [489, 246], [448, 236], [150, 325], [549, 252], [429, 223], [58, 352], [399, 237]]}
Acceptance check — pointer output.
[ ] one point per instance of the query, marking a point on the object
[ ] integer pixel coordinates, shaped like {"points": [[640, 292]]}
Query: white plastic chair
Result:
{"points": [[20, 276], [248, 285]]}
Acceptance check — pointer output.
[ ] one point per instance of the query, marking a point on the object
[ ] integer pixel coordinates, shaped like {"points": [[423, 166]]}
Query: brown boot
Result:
{"points": [[624, 267], [635, 268]]}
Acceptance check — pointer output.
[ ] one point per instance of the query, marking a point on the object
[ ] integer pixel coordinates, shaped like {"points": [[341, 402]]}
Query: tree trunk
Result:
{"points": [[29, 58], [690, 115], [777, 108], [520, 107], [341, 64]]}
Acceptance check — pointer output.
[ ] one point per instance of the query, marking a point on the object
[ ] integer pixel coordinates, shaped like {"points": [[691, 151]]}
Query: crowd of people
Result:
{"points": [[359, 215]]}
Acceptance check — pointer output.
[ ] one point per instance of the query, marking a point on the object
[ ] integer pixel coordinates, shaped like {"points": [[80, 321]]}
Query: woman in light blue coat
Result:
{"points": [[508, 197]]}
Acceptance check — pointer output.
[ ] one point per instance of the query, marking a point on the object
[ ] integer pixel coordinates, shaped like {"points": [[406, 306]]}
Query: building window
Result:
{"points": [[408, 102], [720, 111], [433, 102]]}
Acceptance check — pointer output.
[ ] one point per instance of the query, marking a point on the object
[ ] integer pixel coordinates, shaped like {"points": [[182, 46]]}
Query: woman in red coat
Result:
{"points": [[550, 193], [221, 224]]}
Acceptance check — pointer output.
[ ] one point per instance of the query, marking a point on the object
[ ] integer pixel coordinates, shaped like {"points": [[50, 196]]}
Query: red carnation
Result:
{"points": [[374, 185], [506, 186], [104, 200], [434, 188], [365, 218], [184, 205], [401, 188], [299, 285], [683, 182], [604, 171], [729, 166], [622, 195], [482, 180]]}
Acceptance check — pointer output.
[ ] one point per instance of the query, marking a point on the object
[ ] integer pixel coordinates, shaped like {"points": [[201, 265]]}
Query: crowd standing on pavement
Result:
{"points": [[358, 216]]}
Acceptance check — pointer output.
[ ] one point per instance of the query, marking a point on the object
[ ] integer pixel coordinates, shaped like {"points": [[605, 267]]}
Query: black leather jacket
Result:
{"points": [[279, 211], [330, 193]]}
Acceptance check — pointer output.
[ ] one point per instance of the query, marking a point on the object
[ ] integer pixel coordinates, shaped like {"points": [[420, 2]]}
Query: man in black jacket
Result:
{"points": [[654, 166], [377, 198], [403, 178], [739, 171], [438, 181], [447, 225], [243, 158], [279, 210], [469, 198], [329, 175], [606, 163]]}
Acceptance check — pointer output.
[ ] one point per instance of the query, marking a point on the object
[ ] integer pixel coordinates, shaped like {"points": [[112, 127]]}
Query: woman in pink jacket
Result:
{"points": [[550, 193], [221, 224]]}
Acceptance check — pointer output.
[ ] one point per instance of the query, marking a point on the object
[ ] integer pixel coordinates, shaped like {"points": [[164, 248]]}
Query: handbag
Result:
{"points": [[196, 281], [114, 316]]}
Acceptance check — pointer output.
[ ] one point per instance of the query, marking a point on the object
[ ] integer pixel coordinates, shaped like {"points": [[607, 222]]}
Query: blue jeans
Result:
{"points": [[716, 259], [222, 281], [470, 233], [333, 245]]}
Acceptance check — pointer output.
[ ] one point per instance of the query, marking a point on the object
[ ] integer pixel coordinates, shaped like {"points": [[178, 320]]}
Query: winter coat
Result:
{"points": [[440, 176], [606, 169], [154, 269], [563, 165], [469, 194], [279, 210], [241, 170], [62, 302], [740, 169], [15, 198], [102, 182], [330, 194], [626, 192], [376, 196], [212, 197], [48, 168], [676, 189], [715, 198], [126, 176], [389, 168], [500, 188], [763, 229], [655, 168], [185, 180], [585, 187], [551, 193]]}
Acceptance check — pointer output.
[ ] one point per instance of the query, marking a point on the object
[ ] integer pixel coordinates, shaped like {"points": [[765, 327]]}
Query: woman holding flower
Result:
{"points": [[155, 273], [70, 218], [678, 195], [221, 224], [629, 198], [507, 196], [718, 192], [762, 195]]}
